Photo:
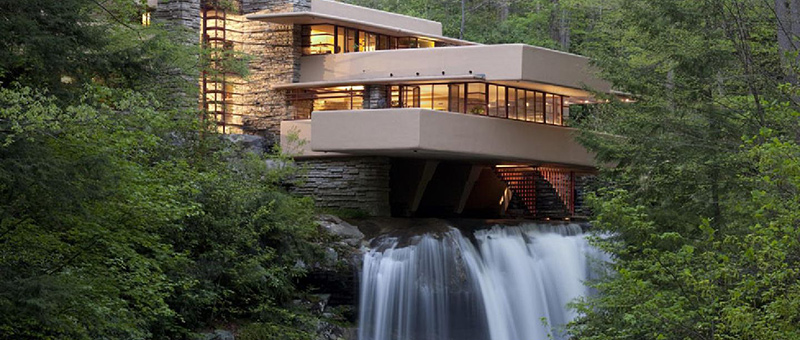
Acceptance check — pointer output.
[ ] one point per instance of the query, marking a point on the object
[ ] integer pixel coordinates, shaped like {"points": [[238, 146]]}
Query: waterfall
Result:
{"points": [[507, 283]]}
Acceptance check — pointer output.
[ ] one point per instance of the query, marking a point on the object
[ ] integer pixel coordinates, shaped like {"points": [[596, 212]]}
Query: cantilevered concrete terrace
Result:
{"points": [[421, 133], [336, 13]]}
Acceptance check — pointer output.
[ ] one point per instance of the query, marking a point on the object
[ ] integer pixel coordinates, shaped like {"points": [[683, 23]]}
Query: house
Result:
{"points": [[390, 117]]}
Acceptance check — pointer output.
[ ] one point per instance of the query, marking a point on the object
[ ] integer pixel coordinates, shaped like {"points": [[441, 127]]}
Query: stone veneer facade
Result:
{"points": [[359, 183], [375, 97], [274, 52]]}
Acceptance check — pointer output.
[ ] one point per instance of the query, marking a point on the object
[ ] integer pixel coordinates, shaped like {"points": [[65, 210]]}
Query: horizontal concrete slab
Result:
{"points": [[337, 13], [522, 65], [432, 134]]}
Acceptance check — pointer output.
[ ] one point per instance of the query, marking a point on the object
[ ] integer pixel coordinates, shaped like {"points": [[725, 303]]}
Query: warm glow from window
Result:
{"points": [[334, 39], [318, 39], [424, 43], [146, 18], [477, 98]]}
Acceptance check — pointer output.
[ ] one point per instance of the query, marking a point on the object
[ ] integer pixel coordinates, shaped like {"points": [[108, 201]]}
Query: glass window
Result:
{"points": [[497, 101], [426, 97], [340, 40], [493, 102], [352, 41], [530, 106], [440, 97], [392, 43], [521, 102], [406, 42], [395, 96], [476, 98], [557, 110], [425, 43], [512, 103], [383, 42], [371, 42], [410, 96], [539, 107], [146, 18], [456, 98], [318, 39], [338, 98], [548, 109], [362, 41], [337, 102], [356, 101]]}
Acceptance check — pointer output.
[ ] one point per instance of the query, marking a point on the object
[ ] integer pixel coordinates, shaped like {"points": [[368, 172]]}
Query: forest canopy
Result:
{"points": [[122, 215]]}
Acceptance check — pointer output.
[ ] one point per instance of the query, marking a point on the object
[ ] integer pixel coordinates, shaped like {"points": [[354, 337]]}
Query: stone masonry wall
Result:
{"points": [[375, 97], [185, 13], [274, 51], [360, 183]]}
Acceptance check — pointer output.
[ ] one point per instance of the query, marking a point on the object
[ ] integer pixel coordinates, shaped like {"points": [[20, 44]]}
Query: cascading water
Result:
{"points": [[513, 283]]}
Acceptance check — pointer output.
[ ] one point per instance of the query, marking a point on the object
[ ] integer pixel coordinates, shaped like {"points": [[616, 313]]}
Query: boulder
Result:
{"points": [[338, 227]]}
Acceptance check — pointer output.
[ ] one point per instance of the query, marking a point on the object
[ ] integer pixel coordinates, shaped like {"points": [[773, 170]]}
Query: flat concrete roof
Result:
{"points": [[337, 13], [422, 133], [518, 65]]}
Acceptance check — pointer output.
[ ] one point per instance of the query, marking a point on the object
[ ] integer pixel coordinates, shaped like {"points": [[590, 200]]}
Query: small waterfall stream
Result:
{"points": [[507, 283]]}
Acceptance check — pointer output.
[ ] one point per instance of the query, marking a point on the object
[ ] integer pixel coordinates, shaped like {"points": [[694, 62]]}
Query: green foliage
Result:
{"points": [[345, 213], [702, 220], [120, 216], [515, 21], [533, 22]]}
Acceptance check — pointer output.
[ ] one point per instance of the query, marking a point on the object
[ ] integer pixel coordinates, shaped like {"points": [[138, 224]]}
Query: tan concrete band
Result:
{"points": [[386, 81], [422, 133], [313, 18], [516, 64]]}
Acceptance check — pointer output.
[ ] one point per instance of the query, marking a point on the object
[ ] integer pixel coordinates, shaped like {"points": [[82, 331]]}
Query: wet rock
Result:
{"points": [[252, 143], [331, 256], [348, 233], [329, 331], [321, 302], [350, 333]]}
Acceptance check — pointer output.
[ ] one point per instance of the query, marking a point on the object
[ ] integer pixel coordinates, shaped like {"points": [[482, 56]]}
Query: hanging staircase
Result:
{"points": [[545, 192]]}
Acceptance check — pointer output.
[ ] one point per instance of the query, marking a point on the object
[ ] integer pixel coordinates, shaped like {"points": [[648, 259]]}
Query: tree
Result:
{"points": [[121, 216], [700, 220]]}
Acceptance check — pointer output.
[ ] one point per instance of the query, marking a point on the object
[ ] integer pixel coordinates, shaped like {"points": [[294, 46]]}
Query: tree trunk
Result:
{"points": [[559, 25], [787, 14], [504, 5], [463, 14]]}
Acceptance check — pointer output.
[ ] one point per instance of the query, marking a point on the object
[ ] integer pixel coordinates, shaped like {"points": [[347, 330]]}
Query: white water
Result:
{"points": [[514, 285]]}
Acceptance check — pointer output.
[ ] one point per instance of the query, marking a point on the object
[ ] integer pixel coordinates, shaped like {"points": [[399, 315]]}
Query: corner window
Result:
{"points": [[333, 39], [318, 39]]}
